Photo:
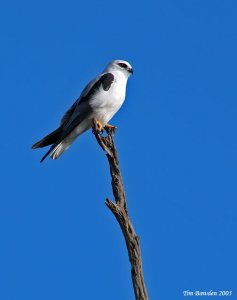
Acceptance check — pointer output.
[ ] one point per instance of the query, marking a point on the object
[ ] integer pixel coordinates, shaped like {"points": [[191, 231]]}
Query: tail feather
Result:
{"points": [[49, 139], [59, 150], [46, 154], [56, 150], [60, 140]]}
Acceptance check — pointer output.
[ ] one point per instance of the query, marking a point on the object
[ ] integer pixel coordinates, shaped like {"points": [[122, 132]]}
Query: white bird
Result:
{"points": [[99, 100]]}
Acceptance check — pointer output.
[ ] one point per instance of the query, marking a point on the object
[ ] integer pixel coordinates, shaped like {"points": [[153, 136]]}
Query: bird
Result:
{"points": [[100, 100]]}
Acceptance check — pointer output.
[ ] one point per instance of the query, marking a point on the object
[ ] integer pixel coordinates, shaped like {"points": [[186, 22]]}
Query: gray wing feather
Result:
{"points": [[81, 109], [67, 116], [69, 113], [82, 112]]}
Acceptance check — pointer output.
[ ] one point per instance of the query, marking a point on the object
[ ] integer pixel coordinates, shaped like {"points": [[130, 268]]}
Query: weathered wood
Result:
{"points": [[120, 211]]}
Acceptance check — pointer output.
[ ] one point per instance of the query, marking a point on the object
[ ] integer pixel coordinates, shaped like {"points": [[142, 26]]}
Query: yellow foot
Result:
{"points": [[108, 126], [99, 125]]}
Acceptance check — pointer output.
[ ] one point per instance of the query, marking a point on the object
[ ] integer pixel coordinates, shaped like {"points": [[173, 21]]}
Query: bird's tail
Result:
{"points": [[52, 139], [56, 150], [60, 140], [59, 150], [49, 139]]}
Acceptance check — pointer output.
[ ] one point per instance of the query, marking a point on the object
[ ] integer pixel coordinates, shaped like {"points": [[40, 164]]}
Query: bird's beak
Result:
{"points": [[130, 70]]}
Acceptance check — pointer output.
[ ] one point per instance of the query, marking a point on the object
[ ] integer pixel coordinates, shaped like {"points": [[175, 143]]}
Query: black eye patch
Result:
{"points": [[122, 65]]}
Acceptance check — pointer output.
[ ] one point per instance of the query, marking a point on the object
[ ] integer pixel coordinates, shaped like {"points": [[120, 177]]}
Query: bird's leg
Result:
{"points": [[99, 126]]}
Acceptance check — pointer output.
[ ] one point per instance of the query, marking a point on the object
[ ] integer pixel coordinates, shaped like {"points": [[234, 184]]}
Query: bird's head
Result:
{"points": [[120, 65]]}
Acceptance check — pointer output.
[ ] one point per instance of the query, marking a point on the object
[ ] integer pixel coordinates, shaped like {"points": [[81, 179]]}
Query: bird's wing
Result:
{"points": [[81, 108], [67, 116], [56, 135]]}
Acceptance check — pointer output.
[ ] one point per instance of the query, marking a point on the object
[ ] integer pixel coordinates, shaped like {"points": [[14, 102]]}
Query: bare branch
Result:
{"points": [[120, 211]]}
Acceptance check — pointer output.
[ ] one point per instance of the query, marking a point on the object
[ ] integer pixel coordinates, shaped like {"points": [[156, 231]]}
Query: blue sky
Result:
{"points": [[176, 140]]}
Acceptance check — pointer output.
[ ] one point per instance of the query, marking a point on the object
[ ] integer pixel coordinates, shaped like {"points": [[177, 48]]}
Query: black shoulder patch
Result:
{"points": [[105, 80]]}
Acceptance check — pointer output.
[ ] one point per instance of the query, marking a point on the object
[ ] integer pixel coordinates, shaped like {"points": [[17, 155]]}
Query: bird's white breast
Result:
{"points": [[106, 103]]}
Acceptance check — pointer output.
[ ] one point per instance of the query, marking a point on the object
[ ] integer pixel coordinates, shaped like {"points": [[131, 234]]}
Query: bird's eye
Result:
{"points": [[122, 65]]}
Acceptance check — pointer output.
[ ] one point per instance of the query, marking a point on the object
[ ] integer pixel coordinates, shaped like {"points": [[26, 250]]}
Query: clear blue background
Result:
{"points": [[176, 140]]}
